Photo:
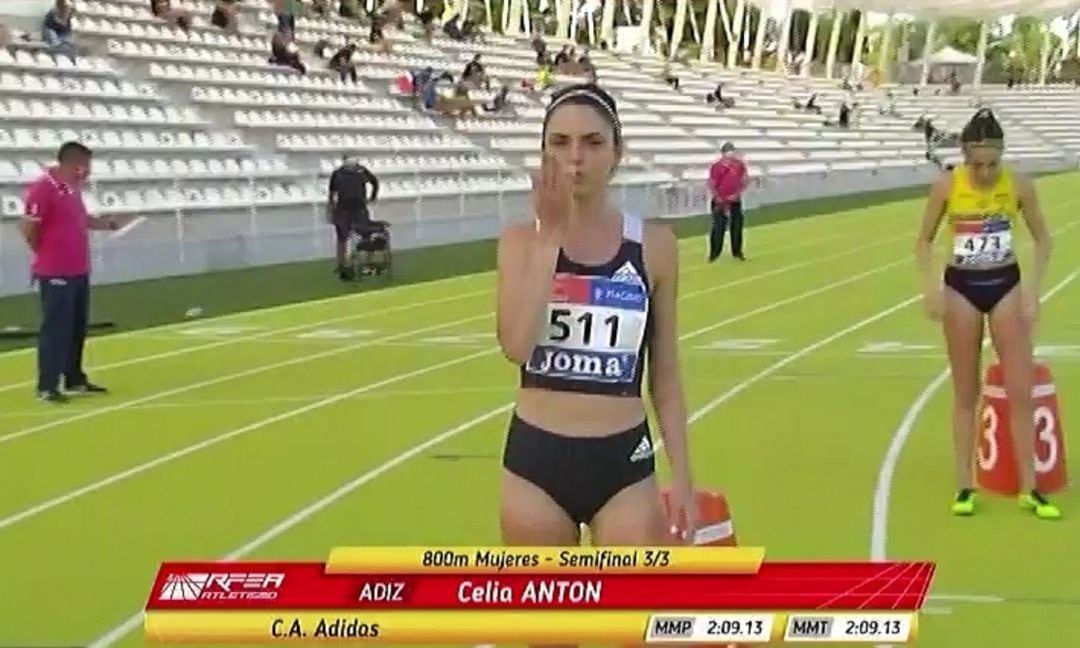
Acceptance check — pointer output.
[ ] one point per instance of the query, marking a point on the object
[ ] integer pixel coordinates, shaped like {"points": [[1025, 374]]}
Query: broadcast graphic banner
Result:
{"points": [[529, 560], [534, 627], [523, 595], [797, 586]]}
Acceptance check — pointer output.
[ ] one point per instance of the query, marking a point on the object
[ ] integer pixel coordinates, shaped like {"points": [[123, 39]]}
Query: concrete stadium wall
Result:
{"points": [[178, 244]]}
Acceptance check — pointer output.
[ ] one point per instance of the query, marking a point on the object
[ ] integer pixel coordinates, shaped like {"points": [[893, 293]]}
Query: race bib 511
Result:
{"points": [[594, 330]]}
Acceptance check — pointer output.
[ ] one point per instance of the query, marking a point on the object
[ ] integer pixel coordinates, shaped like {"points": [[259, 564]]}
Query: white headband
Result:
{"points": [[590, 94]]}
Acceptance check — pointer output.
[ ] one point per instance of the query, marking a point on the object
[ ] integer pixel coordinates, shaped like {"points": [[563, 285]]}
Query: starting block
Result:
{"points": [[996, 469], [715, 528]]}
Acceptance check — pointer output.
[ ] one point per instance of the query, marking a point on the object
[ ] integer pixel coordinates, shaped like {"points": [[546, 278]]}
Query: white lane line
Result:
{"points": [[801, 353], [213, 321], [879, 532], [235, 402], [133, 622], [155, 333], [767, 227], [214, 440], [966, 598], [258, 336], [227, 377], [285, 363], [210, 441]]}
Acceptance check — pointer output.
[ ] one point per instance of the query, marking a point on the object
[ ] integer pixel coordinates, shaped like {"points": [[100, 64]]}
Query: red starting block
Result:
{"points": [[715, 528], [995, 456]]}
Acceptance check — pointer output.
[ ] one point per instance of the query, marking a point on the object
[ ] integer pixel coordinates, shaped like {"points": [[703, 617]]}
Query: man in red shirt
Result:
{"points": [[728, 178], [55, 227]]}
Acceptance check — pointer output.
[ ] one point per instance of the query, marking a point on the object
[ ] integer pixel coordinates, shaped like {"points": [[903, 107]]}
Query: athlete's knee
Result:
{"points": [[966, 399]]}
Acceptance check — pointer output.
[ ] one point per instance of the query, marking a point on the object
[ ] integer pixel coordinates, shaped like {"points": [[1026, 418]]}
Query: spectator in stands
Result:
{"points": [[420, 78], [844, 119], [668, 77], [811, 105], [283, 51], [344, 64], [500, 103], [475, 75], [56, 29], [562, 57], [347, 206], [177, 17], [377, 35], [539, 46], [954, 83], [587, 67], [543, 78], [728, 179], [349, 9], [393, 15], [55, 227], [286, 11], [427, 21], [459, 30], [458, 103], [320, 8], [224, 15], [717, 98], [889, 109]]}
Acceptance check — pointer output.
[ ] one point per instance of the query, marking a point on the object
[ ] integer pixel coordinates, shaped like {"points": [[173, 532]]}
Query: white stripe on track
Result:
{"points": [[62, 499], [368, 342], [217, 319], [256, 336], [234, 402], [227, 377], [879, 532], [133, 622], [206, 443], [155, 332]]}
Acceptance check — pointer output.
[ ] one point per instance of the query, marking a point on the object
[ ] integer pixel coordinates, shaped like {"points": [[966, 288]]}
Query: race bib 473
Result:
{"points": [[983, 242]]}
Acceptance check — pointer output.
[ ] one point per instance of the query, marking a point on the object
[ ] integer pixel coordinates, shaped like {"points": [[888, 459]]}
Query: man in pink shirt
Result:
{"points": [[55, 227], [728, 178]]}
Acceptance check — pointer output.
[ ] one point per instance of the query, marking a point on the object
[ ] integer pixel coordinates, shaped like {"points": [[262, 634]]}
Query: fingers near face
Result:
{"points": [[580, 143]]}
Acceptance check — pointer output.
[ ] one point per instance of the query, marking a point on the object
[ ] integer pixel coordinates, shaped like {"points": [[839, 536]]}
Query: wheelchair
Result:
{"points": [[370, 252]]}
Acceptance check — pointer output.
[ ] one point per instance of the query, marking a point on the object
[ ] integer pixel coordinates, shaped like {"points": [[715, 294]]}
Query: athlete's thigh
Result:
{"points": [[633, 516], [1011, 337], [963, 326], [529, 516]]}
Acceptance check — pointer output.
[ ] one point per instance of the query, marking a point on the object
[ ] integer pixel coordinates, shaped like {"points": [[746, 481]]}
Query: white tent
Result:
{"points": [[952, 56], [930, 8], [959, 8]]}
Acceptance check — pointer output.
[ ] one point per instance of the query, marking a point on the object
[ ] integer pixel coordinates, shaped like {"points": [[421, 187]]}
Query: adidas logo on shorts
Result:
{"points": [[643, 451]]}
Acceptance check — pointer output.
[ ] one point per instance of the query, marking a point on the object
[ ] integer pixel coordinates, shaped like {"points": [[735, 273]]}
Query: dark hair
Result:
{"points": [[983, 128], [586, 94], [69, 150]]}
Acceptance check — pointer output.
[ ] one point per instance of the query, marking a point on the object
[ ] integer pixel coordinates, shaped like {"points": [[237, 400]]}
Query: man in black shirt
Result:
{"points": [[347, 206]]}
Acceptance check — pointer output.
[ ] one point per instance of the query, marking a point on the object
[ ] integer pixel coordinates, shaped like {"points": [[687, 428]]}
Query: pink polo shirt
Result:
{"points": [[727, 179], [63, 245]]}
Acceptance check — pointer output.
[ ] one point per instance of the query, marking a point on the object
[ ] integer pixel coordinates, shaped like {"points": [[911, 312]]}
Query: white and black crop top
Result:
{"points": [[598, 324]]}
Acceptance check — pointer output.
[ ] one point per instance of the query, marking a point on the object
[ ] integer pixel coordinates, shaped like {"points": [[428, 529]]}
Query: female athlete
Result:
{"points": [[983, 202], [585, 295]]}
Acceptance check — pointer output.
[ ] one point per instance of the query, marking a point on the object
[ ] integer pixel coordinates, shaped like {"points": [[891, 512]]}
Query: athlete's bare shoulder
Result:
{"points": [[1022, 181], [660, 236], [660, 248], [942, 184]]}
